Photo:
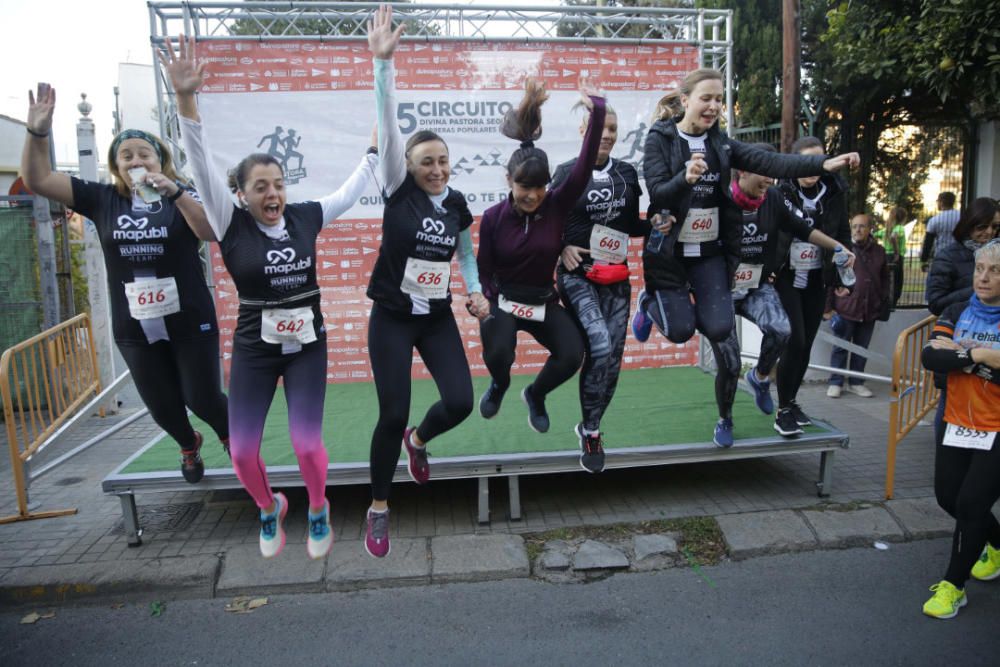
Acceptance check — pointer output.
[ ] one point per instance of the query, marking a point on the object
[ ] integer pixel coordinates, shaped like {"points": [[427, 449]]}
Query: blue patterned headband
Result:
{"points": [[136, 134]]}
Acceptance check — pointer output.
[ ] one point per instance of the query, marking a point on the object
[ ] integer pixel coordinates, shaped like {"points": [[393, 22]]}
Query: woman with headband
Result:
{"points": [[149, 222]]}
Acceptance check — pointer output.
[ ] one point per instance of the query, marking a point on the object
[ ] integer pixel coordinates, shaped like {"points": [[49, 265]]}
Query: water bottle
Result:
{"points": [[846, 273], [657, 238]]}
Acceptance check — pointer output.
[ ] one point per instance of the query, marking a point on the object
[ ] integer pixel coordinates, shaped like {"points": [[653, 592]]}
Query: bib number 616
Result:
{"points": [[150, 297]]}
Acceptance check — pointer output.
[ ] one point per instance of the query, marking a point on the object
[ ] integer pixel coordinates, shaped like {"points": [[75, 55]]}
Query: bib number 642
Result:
{"points": [[290, 326]]}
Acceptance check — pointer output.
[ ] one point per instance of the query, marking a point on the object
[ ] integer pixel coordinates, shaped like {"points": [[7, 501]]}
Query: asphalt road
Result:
{"points": [[859, 607]]}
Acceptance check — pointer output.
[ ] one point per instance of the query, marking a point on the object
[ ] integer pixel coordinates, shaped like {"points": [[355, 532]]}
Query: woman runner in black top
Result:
{"points": [[149, 223], [269, 248], [424, 223], [593, 279]]}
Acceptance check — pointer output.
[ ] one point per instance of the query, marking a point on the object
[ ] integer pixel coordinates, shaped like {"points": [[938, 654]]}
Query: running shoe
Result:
{"points": [[272, 528], [489, 404], [946, 602], [761, 392], [417, 464], [320, 539], [785, 424], [642, 324], [987, 568], [192, 467], [833, 391], [377, 537], [538, 418], [591, 450], [723, 433], [860, 390], [800, 417]]}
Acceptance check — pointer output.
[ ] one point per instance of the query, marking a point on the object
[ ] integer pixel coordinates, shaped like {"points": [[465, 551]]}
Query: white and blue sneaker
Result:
{"points": [[320, 539], [272, 529], [723, 433], [761, 392], [642, 324]]}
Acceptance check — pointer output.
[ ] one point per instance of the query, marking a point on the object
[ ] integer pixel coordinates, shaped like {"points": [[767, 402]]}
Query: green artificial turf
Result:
{"points": [[651, 407]]}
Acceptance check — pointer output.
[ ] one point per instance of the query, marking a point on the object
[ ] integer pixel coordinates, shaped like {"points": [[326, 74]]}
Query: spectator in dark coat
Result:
{"points": [[950, 278], [852, 315]]}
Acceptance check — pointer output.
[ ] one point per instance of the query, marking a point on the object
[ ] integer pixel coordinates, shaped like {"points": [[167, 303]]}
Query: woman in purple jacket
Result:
{"points": [[520, 240]]}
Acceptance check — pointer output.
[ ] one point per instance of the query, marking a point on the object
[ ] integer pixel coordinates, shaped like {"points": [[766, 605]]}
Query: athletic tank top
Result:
{"points": [[273, 273], [143, 242], [415, 236]]}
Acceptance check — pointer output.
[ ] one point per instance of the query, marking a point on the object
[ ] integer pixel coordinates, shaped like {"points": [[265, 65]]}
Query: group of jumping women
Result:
{"points": [[551, 261]]}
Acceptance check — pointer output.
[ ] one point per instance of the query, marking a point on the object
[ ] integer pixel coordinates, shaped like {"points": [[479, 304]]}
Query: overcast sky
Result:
{"points": [[76, 46]]}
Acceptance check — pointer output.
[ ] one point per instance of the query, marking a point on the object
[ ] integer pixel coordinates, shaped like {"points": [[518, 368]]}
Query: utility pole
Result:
{"points": [[97, 280], [791, 49]]}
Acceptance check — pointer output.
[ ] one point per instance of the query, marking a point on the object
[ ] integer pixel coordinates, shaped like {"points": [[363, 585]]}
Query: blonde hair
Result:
{"points": [[166, 165], [691, 81], [668, 107]]}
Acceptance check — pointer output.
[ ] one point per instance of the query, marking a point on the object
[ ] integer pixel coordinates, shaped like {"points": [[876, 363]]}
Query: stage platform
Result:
{"points": [[658, 417]]}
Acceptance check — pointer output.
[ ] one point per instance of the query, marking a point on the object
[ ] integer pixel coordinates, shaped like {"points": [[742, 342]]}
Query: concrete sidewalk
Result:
{"points": [[200, 543]]}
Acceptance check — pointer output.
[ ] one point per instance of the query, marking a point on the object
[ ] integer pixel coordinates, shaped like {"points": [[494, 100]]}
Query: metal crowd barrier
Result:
{"points": [[43, 381], [913, 391]]}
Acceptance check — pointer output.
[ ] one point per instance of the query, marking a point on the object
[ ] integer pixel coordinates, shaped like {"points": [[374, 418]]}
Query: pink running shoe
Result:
{"points": [[377, 537], [417, 464]]}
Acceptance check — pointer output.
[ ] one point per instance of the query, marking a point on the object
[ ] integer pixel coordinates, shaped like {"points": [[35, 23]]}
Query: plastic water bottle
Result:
{"points": [[657, 238], [847, 277]]}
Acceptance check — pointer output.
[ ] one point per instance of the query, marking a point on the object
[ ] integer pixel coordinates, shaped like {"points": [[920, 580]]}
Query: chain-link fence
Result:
{"points": [[20, 298]]}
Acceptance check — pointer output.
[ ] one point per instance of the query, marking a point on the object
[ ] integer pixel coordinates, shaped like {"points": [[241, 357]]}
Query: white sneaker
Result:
{"points": [[272, 530], [833, 391], [860, 390], [320, 539]]}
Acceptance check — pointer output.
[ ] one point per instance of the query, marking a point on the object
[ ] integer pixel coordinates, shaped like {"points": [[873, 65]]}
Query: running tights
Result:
{"points": [[711, 313], [252, 380], [172, 376], [762, 307], [602, 311], [967, 484], [392, 337], [804, 308]]}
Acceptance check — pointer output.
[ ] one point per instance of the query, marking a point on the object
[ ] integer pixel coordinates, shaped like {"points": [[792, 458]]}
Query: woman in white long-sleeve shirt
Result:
{"points": [[424, 223], [269, 248]]}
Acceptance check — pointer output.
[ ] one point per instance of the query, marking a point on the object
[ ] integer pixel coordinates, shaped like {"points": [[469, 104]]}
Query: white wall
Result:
{"points": [[988, 161], [11, 142]]}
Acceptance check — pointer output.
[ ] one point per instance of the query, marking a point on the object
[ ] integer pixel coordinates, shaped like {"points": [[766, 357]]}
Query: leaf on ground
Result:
{"points": [[48, 614], [156, 608], [31, 618], [244, 604], [118, 605]]}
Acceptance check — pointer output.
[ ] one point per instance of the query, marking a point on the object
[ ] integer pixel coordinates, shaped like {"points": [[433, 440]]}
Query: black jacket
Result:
{"points": [[831, 219], [664, 171], [950, 278]]}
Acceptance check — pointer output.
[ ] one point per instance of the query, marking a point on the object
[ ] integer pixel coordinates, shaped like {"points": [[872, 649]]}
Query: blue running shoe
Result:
{"points": [[724, 433], [320, 538], [642, 324], [761, 392], [272, 530]]}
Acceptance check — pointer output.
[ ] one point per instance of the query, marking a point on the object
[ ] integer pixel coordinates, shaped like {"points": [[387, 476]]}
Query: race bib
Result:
{"points": [[535, 313], [748, 277], [805, 255], [968, 438], [700, 225], [608, 245], [151, 298], [287, 325], [426, 279]]}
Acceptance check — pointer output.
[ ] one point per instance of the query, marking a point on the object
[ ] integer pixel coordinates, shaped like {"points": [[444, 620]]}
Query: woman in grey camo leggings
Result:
{"points": [[596, 235]]}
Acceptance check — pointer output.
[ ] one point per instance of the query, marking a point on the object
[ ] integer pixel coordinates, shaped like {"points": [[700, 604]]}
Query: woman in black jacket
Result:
{"points": [[804, 279], [687, 166], [950, 278]]}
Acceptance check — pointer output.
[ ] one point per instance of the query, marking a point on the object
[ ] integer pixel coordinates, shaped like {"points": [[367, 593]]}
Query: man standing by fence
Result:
{"points": [[852, 316], [939, 229]]}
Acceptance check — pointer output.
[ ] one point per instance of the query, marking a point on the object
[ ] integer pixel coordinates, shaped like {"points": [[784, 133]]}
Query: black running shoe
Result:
{"points": [[591, 450], [192, 467], [785, 424], [538, 418], [489, 404], [800, 417]]}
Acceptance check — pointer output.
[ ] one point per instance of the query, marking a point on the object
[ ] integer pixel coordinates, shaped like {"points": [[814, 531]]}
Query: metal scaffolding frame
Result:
{"points": [[708, 29]]}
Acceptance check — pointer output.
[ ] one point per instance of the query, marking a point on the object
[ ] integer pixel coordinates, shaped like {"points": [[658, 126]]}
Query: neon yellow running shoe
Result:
{"points": [[946, 602], [987, 567]]}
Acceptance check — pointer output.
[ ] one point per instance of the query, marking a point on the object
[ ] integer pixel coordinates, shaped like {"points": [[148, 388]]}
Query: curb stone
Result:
{"points": [[478, 557], [854, 527], [349, 567], [761, 533]]}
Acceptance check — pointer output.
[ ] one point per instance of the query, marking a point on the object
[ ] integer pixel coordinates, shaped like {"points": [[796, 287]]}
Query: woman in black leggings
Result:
{"points": [[805, 278], [424, 223], [593, 279], [149, 223], [965, 344]]}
